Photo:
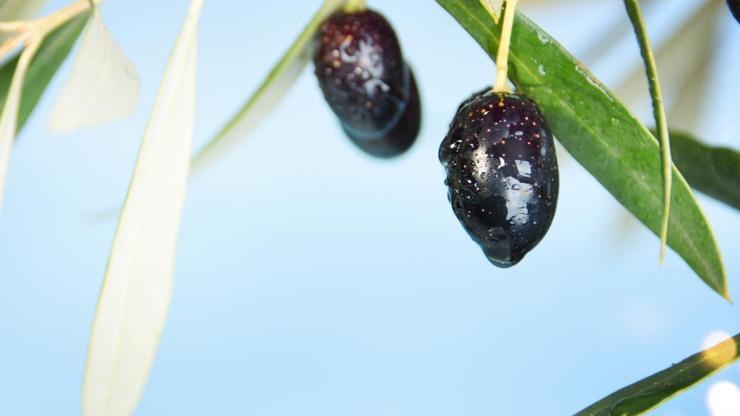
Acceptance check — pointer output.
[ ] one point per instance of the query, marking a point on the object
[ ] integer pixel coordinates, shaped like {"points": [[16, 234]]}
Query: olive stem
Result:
{"points": [[502, 58], [638, 23], [14, 26], [58, 18], [355, 6], [25, 32]]}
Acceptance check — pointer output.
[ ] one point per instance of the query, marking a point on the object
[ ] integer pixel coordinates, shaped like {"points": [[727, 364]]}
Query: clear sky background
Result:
{"points": [[313, 280]]}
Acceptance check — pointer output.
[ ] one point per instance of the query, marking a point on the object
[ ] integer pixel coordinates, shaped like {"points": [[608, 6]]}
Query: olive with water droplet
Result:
{"points": [[366, 82], [502, 173]]}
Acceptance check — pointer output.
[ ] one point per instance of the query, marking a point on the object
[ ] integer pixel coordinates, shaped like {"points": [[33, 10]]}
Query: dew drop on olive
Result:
{"points": [[367, 83], [502, 174]]}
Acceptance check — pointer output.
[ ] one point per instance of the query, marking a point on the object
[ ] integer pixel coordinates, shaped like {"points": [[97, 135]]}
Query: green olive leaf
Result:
{"points": [[714, 171], [601, 133], [650, 392], [46, 62]]}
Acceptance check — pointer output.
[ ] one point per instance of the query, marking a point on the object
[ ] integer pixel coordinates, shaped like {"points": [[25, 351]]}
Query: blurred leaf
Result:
{"points": [[9, 117], [34, 75], [688, 103], [50, 56], [19, 9], [679, 69], [599, 132], [270, 92], [136, 292], [650, 392], [103, 85], [607, 41], [714, 171]]}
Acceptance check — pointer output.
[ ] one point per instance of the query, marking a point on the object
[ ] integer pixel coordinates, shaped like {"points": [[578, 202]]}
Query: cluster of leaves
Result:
{"points": [[593, 125], [103, 86]]}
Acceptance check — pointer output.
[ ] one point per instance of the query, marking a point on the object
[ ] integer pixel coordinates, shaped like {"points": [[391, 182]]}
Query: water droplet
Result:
{"points": [[543, 38]]}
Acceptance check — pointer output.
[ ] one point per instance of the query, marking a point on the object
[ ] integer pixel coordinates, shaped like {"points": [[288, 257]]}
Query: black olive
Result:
{"points": [[400, 137], [735, 8], [502, 174], [362, 74]]}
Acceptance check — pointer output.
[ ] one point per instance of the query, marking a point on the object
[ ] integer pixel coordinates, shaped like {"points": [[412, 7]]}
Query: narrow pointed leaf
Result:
{"points": [[10, 108], [103, 85], [634, 11], [50, 56], [601, 133], [23, 81], [648, 393], [270, 92], [714, 171], [136, 292]]}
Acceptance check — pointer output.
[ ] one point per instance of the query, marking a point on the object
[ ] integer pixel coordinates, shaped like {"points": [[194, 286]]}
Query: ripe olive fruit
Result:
{"points": [[400, 137], [362, 74], [502, 174]]}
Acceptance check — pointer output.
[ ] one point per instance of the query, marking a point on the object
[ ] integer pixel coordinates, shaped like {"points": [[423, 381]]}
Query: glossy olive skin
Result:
{"points": [[362, 74], [502, 174], [735, 8], [401, 136]]}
